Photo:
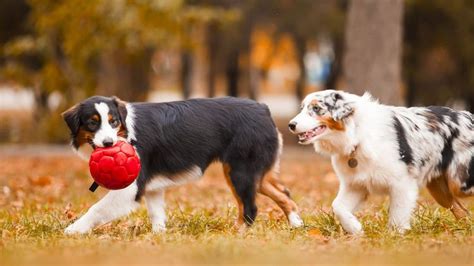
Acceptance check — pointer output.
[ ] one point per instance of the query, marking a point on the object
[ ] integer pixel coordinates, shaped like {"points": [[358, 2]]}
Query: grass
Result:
{"points": [[40, 196]]}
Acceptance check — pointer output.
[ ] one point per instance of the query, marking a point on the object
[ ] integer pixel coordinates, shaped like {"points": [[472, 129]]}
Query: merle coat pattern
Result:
{"points": [[397, 150]]}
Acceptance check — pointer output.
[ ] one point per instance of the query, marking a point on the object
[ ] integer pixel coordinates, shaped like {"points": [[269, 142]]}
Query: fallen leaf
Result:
{"points": [[314, 232], [5, 234], [17, 203], [41, 181], [69, 213]]}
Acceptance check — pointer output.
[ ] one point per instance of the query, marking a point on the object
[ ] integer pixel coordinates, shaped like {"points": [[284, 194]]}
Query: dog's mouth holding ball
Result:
{"points": [[92, 144], [308, 136]]}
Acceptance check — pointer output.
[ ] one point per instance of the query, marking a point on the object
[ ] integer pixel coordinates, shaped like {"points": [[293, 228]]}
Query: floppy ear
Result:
{"points": [[122, 109], [71, 116], [338, 106]]}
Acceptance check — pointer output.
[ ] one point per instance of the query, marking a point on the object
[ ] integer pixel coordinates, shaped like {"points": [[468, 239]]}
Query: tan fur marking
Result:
{"points": [[121, 106], [272, 187], [122, 131], [441, 192], [240, 205], [330, 123], [455, 187], [83, 137]]}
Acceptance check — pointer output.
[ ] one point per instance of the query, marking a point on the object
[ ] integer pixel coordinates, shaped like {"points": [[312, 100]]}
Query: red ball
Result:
{"points": [[115, 167]]}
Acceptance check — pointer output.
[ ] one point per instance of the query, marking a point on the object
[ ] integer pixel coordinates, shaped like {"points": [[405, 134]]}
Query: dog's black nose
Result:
{"points": [[292, 125], [108, 142]]}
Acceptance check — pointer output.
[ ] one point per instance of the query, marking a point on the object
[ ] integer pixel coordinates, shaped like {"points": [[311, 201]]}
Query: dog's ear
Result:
{"points": [[338, 107], [71, 116], [122, 109]]}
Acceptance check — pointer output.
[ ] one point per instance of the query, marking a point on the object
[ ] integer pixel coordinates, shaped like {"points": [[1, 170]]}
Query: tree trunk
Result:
{"points": [[336, 68], [470, 102], [300, 43], [233, 73], [254, 80], [185, 75], [125, 75], [212, 46], [374, 49], [251, 73]]}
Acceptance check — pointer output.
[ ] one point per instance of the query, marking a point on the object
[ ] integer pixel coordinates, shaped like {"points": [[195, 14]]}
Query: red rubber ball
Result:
{"points": [[114, 167]]}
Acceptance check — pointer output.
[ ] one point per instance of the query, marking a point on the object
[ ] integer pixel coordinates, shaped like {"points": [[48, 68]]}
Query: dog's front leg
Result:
{"points": [[347, 201], [155, 202], [115, 204], [403, 196]]}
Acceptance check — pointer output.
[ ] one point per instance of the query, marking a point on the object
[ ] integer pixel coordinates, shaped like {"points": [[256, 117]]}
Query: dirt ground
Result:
{"points": [[45, 188]]}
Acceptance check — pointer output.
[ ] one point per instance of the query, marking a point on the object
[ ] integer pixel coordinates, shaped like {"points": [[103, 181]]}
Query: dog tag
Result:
{"points": [[352, 163]]}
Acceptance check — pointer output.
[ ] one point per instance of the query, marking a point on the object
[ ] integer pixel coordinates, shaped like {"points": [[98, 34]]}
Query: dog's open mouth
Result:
{"points": [[308, 135]]}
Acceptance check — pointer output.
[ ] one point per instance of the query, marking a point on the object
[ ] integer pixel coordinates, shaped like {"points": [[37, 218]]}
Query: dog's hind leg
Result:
{"points": [[243, 187], [272, 187], [440, 191], [240, 206], [115, 204], [403, 197]]}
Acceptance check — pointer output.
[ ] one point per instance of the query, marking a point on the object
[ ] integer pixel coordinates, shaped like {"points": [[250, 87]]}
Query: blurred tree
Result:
{"points": [[212, 44], [124, 73], [78, 38], [320, 17], [227, 41], [185, 73], [13, 14], [215, 17], [306, 20], [80, 47], [374, 48], [439, 55]]}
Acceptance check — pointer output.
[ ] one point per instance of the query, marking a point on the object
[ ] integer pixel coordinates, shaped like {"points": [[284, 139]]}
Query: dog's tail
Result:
{"points": [[275, 171], [276, 164]]}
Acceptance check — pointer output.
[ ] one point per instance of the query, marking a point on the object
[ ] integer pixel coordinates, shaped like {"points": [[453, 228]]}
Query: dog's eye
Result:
{"points": [[92, 124], [114, 122], [316, 109]]}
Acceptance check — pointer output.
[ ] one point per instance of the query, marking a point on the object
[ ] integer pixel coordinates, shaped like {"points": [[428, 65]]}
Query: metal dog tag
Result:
{"points": [[352, 162]]}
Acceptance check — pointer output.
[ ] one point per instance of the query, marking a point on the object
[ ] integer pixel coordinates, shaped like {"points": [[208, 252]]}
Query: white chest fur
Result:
{"points": [[366, 174]]}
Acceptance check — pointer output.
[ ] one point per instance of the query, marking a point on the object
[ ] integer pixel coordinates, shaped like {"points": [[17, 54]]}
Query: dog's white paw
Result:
{"points": [[295, 220], [76, 228], [353, 227], [401, 229], [158, 228]]}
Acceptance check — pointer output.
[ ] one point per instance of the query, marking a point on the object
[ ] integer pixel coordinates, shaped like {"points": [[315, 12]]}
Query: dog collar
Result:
{"points": [[352, 162]]}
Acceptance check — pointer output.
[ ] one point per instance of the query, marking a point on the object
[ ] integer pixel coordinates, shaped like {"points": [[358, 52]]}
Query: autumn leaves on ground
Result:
{"points": [[44, 188]]}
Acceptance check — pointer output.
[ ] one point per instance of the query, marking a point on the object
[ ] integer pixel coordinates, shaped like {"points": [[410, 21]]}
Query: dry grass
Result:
{"points": [[41, 195]]}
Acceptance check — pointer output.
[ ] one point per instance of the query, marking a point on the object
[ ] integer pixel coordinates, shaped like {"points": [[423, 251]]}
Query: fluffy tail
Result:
{"points": [[276, 165]]}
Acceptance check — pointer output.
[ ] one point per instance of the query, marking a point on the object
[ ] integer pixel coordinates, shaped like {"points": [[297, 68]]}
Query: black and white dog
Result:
{"points": [[394, 150], [176, 142]]}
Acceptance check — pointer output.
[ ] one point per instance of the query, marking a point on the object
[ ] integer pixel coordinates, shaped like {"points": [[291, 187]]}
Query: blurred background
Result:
{"points": [[56, 53]]}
